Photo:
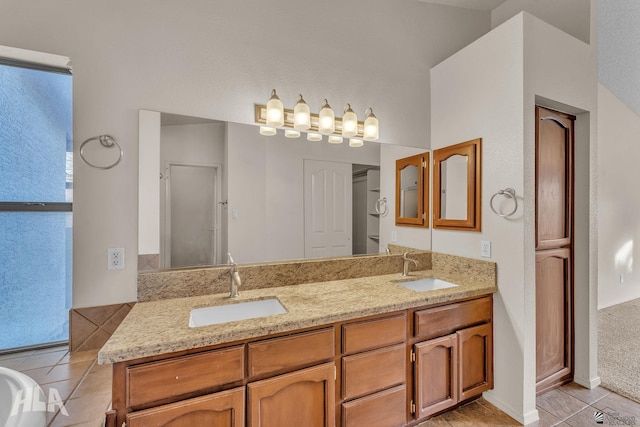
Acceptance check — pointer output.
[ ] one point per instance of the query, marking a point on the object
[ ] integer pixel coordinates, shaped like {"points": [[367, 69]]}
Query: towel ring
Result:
{"points": [[106, 141], [381, 206], [509, 193]]}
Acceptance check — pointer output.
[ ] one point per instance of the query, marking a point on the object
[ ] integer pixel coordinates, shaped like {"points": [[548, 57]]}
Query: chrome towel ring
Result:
{"points": [[509, 193], [106, 141], [381, 206]]}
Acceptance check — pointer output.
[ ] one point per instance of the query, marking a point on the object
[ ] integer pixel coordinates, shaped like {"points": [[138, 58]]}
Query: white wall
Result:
{"points": [[489, 90], [570, 16], [216, 59], [266, 190], [619, 200]]}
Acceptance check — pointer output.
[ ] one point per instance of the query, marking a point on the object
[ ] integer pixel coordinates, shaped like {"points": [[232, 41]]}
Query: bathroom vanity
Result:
{"points": [[354, 352]]}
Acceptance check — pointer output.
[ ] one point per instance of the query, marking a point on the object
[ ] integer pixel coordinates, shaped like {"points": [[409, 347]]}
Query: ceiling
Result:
{"points": [[487, 5]]}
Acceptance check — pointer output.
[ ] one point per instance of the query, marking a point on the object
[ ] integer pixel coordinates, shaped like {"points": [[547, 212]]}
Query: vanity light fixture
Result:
{"points": [[371, 128], [275, 111], [301, 115], [313, 136], [326, 119], [300, 119]]}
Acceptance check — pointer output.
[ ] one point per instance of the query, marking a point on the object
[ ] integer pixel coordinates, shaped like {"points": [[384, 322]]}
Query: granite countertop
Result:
{"points": [[158, 327]]}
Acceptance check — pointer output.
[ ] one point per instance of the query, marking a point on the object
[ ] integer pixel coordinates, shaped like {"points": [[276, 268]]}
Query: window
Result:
{"points": [[36, 194]]}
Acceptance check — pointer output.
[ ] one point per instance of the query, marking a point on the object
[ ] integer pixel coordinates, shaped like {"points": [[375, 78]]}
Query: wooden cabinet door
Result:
{"points": [[223, 409], [554, 316], [554, 178], [301, 398], [475, 346], [436, 373]]}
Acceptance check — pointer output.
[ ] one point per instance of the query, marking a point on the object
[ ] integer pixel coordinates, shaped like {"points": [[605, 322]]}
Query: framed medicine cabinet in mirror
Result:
{"points": [[457, 184], [412, 190]]}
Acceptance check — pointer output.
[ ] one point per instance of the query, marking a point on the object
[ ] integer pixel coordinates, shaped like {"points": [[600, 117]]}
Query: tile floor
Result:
{"points": [[85, 388]]}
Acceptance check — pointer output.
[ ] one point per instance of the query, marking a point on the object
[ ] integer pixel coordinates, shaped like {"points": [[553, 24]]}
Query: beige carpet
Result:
{"points": [[619, 348]]}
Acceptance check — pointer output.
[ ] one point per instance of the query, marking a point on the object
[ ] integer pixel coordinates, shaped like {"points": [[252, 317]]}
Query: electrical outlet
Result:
{"points": [[485, 249], [115, 257]]}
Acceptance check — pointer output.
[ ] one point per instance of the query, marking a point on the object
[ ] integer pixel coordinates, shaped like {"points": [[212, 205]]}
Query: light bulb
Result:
{"points": [[275, 111], [301, 115], [355, 142], [349, 122], [335, 139], [371, 129], [326, 119], [290, 133]]}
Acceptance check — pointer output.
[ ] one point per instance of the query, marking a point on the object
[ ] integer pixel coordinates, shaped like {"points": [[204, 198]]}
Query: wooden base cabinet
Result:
{"points": [[379, 371], [456, 367], [223, 409], [301, 398]]}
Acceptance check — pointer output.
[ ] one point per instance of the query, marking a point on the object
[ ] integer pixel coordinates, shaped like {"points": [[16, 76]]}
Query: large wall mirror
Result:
{"points": [[412, 190], [457, 184], [209, 187]]}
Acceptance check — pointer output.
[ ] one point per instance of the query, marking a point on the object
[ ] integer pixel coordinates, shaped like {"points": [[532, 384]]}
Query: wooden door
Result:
{"points": [[223, 409], [475, 346], [436, 374], [554, 247], [301, 398], [328, 188]]}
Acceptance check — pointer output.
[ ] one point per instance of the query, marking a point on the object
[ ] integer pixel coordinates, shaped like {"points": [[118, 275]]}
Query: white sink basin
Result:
{"points": [[231, 312], [427, 284]]}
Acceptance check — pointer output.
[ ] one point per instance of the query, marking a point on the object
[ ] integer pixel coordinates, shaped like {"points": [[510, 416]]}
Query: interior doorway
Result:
{"points": [[192, 221], [554, 248]]}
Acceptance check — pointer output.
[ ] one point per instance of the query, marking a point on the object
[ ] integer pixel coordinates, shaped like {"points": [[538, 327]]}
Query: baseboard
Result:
{"points": [[524, 419], [588, 383]]}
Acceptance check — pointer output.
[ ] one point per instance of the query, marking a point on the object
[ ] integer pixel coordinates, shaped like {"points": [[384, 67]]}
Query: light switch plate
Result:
{"points": [[485, 249]]}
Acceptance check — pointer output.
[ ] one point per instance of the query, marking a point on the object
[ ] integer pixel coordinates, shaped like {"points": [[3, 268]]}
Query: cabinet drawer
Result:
{"points": [[291, 352], [225, 408], [384, 409], [372, 334], [181, 375], [372, 371], [439, 321]]}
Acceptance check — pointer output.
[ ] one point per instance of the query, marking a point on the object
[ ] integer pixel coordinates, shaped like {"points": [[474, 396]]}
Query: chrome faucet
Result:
{"points": [[234, 277], [405, 266]]}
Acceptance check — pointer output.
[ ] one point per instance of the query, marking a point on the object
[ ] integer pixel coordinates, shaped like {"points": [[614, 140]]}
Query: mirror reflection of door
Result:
{"points": [[453, 187], [409, 192], [190, 236], [328, 190]]}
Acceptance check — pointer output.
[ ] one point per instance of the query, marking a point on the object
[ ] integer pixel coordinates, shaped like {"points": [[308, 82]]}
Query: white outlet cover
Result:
{"points": [[485, 249], [115, 258]]}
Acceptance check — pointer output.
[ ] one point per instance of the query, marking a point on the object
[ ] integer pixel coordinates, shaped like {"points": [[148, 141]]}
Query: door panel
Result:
{"points": [[436, 375], [224, 409], [301, 398], [553, 316], [191, 215], [553, 187], [327, 209]]}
